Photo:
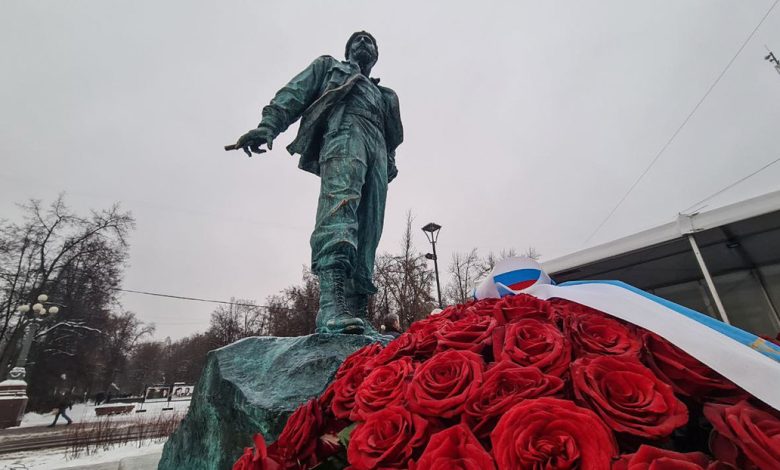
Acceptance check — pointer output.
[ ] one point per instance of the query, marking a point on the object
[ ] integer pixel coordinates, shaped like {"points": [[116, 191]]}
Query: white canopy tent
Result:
{"points": [[724, 262]]}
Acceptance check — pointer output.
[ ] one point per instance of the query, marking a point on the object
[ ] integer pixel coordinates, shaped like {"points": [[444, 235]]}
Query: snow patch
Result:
{"points": [[57, 459], [85, 412]]}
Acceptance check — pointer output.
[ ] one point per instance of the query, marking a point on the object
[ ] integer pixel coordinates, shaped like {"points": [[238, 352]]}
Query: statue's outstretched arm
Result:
{"points": [[285, 108]]}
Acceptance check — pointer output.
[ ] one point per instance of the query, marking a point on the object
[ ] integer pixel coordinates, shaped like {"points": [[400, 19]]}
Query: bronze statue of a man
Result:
{"points": [[350, 128]]}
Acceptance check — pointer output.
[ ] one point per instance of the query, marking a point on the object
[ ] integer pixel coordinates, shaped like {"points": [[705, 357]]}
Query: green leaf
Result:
{"points": [[345, 434]]}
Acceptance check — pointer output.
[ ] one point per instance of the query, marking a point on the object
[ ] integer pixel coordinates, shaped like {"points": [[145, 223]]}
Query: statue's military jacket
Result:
{"points": [[314, 95]]}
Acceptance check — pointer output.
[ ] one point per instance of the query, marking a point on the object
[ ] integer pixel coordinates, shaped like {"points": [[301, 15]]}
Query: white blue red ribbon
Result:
{"points": [[747, 360]]}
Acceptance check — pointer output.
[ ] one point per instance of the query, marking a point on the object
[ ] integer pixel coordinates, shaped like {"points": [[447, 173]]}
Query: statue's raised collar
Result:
{"points": [[355, 66]]}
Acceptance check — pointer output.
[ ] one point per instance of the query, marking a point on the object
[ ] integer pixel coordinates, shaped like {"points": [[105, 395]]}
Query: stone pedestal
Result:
{"points": [[13, 402], [252, 386]]}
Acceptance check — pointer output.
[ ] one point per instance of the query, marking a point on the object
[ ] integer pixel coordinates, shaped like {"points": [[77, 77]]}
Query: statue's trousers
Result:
{"points": [[351, 207]]}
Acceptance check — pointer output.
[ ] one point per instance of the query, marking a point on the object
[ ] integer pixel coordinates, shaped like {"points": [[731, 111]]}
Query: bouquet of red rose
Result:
{"points": [[522, 383]]}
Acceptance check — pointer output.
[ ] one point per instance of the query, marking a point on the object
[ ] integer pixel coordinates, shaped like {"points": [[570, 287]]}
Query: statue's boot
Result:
{"points": [[358, 306], [334, 316]]}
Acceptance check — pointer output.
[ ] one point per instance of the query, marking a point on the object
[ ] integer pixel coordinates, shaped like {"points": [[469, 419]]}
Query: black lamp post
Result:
{"points": [[432, 234]]}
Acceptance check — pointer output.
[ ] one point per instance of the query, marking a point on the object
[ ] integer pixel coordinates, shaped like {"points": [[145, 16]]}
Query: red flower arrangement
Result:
{"points": [[387, 439], [455, 448], [471, 333], [593, 333], [299, 439], [687, 375], [504, 385], [744, 435], [522, 383], [532, 342], [551, 433], [257, 458], [385, 386], [648, 457], [627, 396], [442, 384]]}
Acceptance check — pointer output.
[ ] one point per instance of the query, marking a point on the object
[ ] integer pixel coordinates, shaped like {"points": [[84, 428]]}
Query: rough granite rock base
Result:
{"points": [[252, 386]]}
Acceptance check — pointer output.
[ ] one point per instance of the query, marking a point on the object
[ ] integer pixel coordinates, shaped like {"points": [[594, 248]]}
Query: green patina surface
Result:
{"points": [[252, 386]]}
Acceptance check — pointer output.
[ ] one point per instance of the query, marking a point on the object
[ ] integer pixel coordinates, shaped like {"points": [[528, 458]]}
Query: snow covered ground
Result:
{"points": [[56, 459], [85, 412]]}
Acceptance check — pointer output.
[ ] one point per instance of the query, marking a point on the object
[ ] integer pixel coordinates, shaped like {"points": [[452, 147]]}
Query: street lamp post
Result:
{"points": [[773, 60], [13, 390], [432, 234]]}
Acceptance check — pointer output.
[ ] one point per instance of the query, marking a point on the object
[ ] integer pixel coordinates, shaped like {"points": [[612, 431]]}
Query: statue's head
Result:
{"points": [[362, 47]]}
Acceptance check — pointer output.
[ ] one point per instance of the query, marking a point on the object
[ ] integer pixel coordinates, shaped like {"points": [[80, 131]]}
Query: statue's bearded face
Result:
{"points": [[363, 50]]}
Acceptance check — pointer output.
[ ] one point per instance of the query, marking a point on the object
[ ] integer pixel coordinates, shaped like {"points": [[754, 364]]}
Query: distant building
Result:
{"points": [[739, 246]]}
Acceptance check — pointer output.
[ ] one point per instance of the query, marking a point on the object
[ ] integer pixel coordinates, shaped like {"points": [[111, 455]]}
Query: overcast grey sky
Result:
{"points": [[525, 123]]}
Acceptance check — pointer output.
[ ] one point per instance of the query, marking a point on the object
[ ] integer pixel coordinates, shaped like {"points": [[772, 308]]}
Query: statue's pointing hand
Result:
{"points": [[252, 140]]}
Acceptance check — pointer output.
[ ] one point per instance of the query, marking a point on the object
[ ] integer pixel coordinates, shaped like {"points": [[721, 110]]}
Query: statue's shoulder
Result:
{"points": [[327, 58], [388, 94], [326, 61]]}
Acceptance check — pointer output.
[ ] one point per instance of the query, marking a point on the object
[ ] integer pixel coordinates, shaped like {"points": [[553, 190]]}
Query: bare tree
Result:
{"points": [[532, 253], [122, 334], [293, 311], [74, 259], [491, 259], [465, 269], [146, 366], [164, 362], [489, 262], [404, 281], [185, 358], [78, 261], [240, 319]]}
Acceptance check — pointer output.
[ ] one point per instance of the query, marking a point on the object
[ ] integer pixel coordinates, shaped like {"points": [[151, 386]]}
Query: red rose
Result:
{"points": [[455, 448], [245, 461], [384, 386], [299, 438], [744, 435], [356, 364], [533, 342], [686, 374], [548, 433], [453, 312], [725, 450], [627, 396], [404, 345], [504, 385], [424, 333], [595, 333], [471, 333], [342, 392], [653, 458], [520, 306], [387, 439], [257, 458], [359, 358], [485, 307], [326, 399], [442, 384]]}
